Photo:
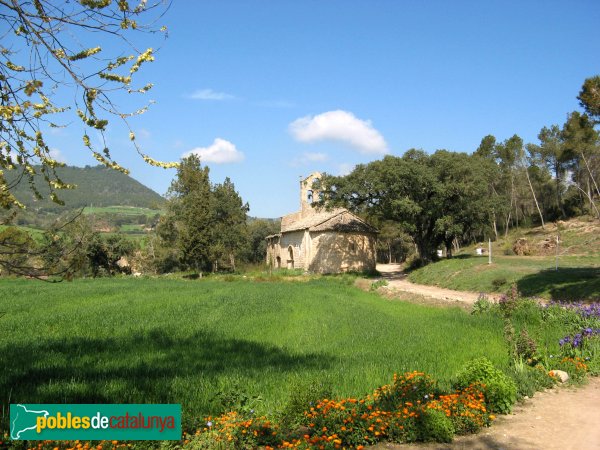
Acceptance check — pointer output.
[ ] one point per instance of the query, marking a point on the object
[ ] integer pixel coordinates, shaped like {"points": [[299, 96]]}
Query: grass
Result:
{"points": [[175, 341], [577, 278], [132, 228], [122, 210], [578, 236]]}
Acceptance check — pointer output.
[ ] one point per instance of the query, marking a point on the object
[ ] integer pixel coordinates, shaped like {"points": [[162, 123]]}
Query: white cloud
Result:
{"points": [[220, 152], [345, 169], [339, 126], [209, 94], [56, 154]]}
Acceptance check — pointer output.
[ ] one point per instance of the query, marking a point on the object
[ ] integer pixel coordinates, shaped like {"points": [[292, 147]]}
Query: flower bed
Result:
{"points": [[409, 409]]}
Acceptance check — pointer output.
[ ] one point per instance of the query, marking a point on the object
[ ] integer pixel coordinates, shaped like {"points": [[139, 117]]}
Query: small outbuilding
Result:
{"points": [[322, 241]]}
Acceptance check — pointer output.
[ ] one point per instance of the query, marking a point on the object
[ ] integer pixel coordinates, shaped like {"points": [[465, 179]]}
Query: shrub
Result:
{"points": [[414, 262], [508, 250], [234, 399], [377, 284], [482, 304], [435, 426], [543, 380], [575, 367], [526, 347], [302, 398], [410, 387], [229, 278], [466, 408], [526, 386], [497, 283], [527, 312], [529, 379], [499, 389], [234, 431]]}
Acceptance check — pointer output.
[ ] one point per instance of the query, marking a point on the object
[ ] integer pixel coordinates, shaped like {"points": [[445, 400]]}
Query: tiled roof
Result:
{"points": [[339, 219]]}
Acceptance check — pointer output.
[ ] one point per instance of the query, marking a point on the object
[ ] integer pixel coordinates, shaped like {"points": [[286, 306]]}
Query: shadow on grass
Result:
{"points": [[139, 368], [569, 283], [464, 256]]}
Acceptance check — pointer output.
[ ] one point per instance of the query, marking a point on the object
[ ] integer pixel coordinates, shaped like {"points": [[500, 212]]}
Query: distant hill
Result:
{"points": [[97, 186]]}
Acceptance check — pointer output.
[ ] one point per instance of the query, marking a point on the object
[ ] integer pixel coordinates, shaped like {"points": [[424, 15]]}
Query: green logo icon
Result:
{"points": [[95, 422]]}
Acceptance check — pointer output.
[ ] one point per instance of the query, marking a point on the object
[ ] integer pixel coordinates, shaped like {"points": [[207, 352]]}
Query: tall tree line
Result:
{"points": [[447, 199]]}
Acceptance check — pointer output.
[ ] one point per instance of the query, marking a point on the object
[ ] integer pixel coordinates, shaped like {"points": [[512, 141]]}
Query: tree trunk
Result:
{"points": [[534, 197], [507, 222], [589, 193], [558, 196], [424, 250], [589, 198], [456, 245], [495, 228], [513, 197], [591, 174]]}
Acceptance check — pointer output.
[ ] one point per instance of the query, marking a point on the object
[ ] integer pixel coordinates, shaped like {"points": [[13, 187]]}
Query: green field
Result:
{"points": [[577, 277], [176, 341], [131, 228], [122, 210]]}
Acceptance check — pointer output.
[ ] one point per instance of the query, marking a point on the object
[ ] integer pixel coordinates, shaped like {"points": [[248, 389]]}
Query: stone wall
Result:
{"points": [[292, 242], [332, 252], [290, 248], [273, 251]]}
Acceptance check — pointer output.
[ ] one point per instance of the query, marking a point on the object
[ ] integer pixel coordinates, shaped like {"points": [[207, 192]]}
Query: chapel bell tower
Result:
{"points": [[308, 194]]}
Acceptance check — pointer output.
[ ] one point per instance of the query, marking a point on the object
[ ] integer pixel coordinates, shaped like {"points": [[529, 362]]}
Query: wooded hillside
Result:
{"points": [[97, 186]]}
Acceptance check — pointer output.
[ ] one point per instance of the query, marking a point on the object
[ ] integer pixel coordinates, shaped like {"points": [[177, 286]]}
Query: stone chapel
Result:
{"points": [[322, 241]]}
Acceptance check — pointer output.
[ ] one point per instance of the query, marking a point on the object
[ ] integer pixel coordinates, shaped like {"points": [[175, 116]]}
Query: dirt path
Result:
{"points": [[561, 418], [397, 281]]}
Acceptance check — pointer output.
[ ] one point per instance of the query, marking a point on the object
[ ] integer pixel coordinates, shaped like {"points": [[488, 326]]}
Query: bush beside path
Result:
{"points": [[560, 418]]}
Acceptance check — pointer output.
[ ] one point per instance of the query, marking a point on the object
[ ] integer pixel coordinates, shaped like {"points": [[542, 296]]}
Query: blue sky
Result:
{"points": [[266, 91]]}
